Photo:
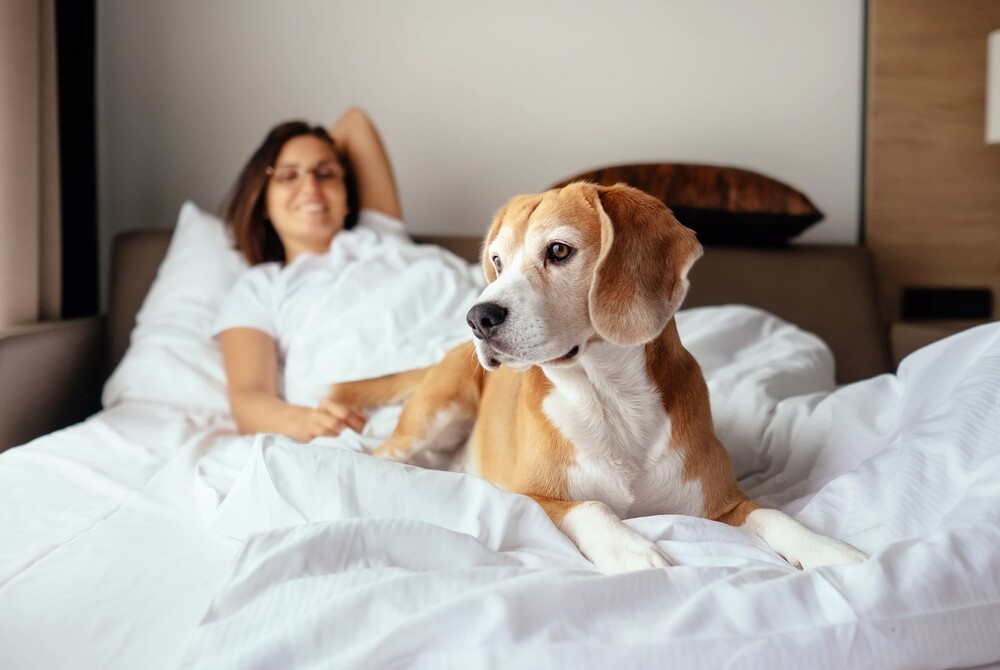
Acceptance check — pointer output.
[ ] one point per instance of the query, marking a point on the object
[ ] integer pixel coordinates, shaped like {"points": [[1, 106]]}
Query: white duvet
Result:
{"points": [[152, 536], [350, 561], [400, 306]]}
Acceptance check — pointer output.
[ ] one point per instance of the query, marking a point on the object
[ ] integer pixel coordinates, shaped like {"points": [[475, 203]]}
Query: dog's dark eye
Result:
{"points": [[559, 252], [497, 264]]}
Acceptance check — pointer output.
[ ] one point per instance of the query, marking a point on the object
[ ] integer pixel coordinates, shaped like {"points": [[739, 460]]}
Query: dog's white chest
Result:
{"points": [[611, 412]]}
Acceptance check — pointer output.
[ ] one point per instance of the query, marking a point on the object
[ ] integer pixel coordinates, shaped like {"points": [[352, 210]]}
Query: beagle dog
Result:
{"points": [[576, 389]]}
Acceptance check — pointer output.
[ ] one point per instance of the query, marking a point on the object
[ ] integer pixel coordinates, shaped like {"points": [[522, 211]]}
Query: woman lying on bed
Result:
{"points": [[302, 189]]}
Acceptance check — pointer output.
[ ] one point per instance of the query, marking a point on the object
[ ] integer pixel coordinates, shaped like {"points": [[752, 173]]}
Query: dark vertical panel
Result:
{"points": [[75, 60], [864, 124]]}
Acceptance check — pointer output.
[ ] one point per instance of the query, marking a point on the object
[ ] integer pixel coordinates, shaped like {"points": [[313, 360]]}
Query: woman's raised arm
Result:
{"points": [[356, 136]]}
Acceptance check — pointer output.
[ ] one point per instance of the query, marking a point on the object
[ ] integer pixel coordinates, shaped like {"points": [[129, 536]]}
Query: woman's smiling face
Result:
{"points": [[306, 196]]}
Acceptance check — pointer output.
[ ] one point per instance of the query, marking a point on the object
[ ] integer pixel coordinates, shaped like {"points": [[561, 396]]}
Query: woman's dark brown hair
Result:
{"points": [[245, 211]]}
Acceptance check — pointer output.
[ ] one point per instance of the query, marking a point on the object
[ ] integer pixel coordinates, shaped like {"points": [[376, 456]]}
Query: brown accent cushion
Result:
{"points": [[723, 205]]}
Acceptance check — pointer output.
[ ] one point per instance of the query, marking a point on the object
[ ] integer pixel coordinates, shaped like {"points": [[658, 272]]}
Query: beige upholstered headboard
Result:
{"points": [[828, 290]]}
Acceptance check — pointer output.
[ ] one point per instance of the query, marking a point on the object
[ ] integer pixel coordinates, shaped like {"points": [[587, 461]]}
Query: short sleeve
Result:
{"points": [[248, 305]]}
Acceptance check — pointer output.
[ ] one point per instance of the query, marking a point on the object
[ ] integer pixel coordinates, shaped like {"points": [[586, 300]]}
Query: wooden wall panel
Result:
{"points": [[932, 200]]}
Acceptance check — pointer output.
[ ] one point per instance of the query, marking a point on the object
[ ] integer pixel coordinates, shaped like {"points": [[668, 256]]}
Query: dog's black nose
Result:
{"points": [[485, 318]]}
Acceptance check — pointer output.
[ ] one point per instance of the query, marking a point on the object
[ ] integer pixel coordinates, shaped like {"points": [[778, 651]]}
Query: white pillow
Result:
{"points": [[172, 357]]}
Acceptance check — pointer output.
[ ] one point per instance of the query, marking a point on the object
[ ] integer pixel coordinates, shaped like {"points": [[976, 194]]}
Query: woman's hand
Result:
{"points": [[330, 418], [251, 361]]}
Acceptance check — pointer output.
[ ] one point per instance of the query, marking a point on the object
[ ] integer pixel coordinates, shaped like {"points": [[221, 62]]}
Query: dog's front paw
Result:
{"points": [[609, 543], [391, 451], [797, 544], [826, 551], [635, 553]]}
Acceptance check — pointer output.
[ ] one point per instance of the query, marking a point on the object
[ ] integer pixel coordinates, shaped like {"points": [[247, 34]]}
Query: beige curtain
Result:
{"points": [[29, 163]]}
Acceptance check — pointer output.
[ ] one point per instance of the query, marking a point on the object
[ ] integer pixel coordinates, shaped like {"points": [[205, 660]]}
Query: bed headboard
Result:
{"points": [[826, 289]]}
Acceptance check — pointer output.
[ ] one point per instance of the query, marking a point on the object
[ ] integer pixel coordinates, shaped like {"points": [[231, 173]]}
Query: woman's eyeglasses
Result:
{"points": [[293, 175]]}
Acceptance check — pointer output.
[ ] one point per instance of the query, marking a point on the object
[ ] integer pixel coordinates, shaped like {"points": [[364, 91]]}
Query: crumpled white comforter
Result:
{"points": [[400, 307], [350, 561]]}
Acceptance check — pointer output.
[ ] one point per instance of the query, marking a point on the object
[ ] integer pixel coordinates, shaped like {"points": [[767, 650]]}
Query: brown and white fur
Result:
{"points": [[577, 390]]}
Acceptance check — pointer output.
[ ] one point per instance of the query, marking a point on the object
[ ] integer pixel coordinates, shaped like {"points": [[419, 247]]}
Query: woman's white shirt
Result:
{"points": [[276, 299]]}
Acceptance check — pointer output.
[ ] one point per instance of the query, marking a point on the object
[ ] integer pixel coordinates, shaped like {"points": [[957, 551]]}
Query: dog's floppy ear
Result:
{"points": [[641, 275]]}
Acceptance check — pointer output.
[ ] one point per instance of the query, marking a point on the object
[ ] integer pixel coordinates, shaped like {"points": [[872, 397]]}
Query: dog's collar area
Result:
{"points": [[565, 358], [492, 362]]}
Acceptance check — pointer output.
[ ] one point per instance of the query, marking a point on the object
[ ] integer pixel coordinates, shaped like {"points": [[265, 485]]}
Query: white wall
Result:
{"points": [[478, 102]]}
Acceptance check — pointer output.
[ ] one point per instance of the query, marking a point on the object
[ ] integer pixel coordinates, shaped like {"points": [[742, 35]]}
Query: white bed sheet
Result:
{"points": [[106, 560], [119, 535], [355, 562]]}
